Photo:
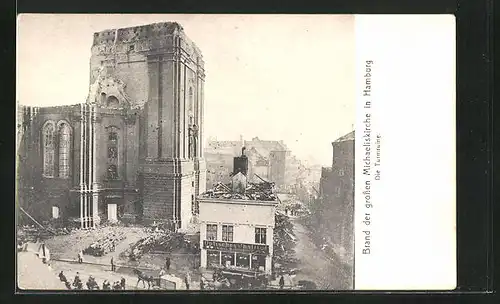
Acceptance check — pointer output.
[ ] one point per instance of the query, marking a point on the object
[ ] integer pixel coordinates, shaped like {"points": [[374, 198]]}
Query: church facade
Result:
{"points": [[134, 144]]}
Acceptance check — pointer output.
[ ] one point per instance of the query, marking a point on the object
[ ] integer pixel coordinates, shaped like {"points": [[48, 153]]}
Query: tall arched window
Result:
{"points": [[48, 150], [103, 98], [64, 150], [190, 101]]}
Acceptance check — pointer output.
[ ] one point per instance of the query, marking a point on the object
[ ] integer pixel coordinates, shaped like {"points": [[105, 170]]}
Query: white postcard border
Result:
{"points": [[405, 210]]}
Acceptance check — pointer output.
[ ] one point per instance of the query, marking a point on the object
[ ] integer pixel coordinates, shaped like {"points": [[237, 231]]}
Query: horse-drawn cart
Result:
{"points": [[158, 280]]}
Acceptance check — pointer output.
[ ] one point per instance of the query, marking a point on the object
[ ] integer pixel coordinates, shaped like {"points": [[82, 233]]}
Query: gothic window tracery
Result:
{"points": [[113, 154], [48, 150], [64, 150]]}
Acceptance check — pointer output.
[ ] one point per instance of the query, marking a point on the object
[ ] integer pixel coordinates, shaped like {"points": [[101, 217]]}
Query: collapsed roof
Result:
{"points": [[254, 191]]}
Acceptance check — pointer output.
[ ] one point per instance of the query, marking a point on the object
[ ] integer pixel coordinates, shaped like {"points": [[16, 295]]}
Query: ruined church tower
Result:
{"points": [[157, 82]]}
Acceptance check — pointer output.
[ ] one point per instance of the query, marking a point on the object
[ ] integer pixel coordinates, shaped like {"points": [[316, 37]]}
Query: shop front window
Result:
{"points": [[228, 259], [242, 260], [213, 258], [258, 262], [227, 233], [211, 232]]}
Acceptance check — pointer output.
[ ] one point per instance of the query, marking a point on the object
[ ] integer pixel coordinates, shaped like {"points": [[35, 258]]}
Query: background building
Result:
{"points": [[270, 160], [337, 195], [133, 145], [237, 224], [218, 168]]}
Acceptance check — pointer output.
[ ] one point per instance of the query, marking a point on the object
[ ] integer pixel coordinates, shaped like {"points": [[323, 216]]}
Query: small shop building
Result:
{"points": [[237, 224]]}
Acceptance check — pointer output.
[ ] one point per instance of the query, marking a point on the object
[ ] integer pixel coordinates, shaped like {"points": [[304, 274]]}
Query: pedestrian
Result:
{"points": [[44, 253], [106, 285], [62, 277], [122, 283], [77, 282], [186, 282], [282, 282], [112, 264], [80, 257], [167, 263], [202, 284], [90, 283]]}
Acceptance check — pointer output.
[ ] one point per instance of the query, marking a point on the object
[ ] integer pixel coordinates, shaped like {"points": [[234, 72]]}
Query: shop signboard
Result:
{"points": [[236, 247]]}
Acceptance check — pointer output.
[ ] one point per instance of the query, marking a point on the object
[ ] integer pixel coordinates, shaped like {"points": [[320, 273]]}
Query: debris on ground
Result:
{"points": [[105, 245], [161, 241], [284, 242], [84, 238], [32, 233]]}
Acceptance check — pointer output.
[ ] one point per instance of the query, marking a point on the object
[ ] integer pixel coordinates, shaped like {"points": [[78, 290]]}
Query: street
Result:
{"points": [[314, 264], [100, 273]]}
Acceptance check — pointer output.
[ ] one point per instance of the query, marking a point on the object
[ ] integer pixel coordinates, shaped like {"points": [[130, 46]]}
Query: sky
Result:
{"points": [[276, 77]]}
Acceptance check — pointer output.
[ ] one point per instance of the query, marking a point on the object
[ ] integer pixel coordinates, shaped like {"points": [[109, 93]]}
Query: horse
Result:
{"points": [[144, 278]]}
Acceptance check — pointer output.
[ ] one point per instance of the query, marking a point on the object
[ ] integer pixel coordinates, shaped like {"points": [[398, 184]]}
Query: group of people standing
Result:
{"points": [[91, 283]]}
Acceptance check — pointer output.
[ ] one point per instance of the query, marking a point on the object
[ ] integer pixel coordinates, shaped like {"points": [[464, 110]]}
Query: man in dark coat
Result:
{"points": [[77, 282], [106, 285], [62, 277], [122, 283], [117, 286], [282, 282], [113, 267], [167, 263]]}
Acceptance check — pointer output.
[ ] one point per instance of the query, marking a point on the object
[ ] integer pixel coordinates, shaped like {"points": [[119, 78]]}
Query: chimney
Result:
{"points": [[240, 163], [239, 181]]}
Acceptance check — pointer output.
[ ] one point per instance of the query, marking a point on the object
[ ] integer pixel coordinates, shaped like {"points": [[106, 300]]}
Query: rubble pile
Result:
{"points": [[30, 233], [161, 241], [105, 244], [254, 191], [284, 243]]}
